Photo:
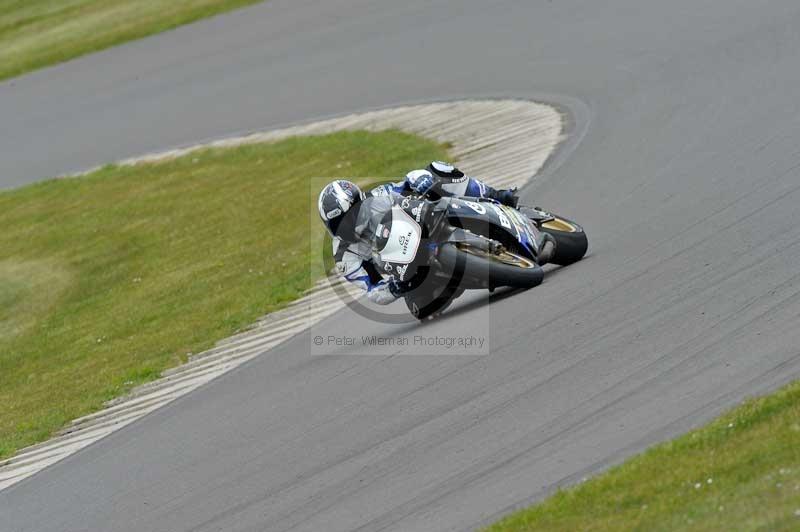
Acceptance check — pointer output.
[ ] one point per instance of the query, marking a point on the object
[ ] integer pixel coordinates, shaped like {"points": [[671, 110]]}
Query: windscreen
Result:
{"points": [[370, 219]]}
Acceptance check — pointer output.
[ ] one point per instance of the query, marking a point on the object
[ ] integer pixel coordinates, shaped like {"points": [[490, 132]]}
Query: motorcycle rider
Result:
{"points": [[440, 179], [347, 213]]}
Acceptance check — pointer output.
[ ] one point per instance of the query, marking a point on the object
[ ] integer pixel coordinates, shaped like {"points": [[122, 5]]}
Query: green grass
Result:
{"points": [[741, 472], [107, 279], [37, 33]]}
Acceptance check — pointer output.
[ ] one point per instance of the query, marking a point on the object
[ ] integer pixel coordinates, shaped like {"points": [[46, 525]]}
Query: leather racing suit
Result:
{"points": [[438, 179]]}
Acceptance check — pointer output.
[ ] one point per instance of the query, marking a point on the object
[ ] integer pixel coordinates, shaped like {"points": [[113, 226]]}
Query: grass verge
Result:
{"points": [[741, 472], [37, 33], [107, 279]]}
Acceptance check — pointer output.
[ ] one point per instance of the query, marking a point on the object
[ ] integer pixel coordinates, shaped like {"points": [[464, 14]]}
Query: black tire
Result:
{"points": [[425, 301], [430, 294], [474, 271], [571, 245]]}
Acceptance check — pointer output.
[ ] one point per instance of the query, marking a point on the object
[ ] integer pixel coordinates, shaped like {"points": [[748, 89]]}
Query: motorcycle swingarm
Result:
{"points": [[463, 236]]}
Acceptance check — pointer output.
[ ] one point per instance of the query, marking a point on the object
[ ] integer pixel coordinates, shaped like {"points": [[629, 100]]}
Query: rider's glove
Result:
{"points": [[385, 292], [420, 181], [397, 288]]}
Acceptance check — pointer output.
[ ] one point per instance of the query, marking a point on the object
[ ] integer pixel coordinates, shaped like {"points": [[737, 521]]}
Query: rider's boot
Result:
{"points": [[507, 197]]}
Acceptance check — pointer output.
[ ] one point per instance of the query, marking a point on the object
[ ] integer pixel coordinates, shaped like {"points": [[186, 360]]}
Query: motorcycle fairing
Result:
{"points": [[402, 240], [461, 212]]}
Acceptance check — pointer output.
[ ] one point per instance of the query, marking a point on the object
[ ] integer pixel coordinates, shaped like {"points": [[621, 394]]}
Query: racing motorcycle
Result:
{"points": [[438, 249]]}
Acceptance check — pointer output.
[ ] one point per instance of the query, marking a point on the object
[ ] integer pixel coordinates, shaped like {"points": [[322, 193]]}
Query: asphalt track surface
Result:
{"points": [[683, 164]]}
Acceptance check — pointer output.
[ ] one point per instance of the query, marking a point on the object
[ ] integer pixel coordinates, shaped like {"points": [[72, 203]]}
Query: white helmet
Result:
{"points": [[335, 201]]}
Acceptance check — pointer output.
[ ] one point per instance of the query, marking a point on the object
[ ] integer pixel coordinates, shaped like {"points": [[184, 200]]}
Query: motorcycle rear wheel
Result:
{"points": [[571, 240]]}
